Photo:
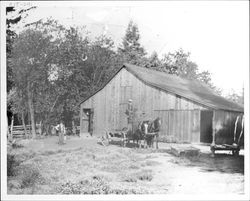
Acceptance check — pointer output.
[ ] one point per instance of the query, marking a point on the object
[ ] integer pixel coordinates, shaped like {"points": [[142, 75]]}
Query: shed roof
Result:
{"points": [[189, 89]]}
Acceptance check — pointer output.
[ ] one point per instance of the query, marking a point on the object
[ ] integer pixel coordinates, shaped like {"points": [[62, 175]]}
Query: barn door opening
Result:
{"points": [[87, 120], [206, 126]]}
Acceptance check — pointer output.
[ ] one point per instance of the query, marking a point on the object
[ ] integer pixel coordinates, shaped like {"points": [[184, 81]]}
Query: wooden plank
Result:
{"points": [[117, 98], [176, 126], [171, 120], [195, 130], [184, 127], [190, 126], [180, 113]]}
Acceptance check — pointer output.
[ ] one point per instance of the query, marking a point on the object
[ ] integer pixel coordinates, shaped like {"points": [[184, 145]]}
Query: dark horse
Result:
{"points": [[147, 131]]}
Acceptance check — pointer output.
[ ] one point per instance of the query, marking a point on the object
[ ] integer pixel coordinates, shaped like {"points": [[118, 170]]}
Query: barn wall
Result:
{"points": [[223, 126], [180, 125], [110, 103]]}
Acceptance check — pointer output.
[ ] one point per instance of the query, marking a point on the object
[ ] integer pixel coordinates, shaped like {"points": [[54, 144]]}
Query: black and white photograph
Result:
{"points": [[125, 100]]}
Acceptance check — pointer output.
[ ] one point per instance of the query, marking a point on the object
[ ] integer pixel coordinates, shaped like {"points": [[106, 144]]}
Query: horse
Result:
{"points": [[147, 131], [154, 129]]}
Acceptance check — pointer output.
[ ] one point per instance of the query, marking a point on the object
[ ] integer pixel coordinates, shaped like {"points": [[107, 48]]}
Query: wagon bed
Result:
{"points": [[225, 147]]}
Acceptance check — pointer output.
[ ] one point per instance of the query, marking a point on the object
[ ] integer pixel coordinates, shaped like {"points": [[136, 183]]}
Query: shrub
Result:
{"points": [[144, 175], [130, 178], [12, 163], [15, 145], [29, 175]]}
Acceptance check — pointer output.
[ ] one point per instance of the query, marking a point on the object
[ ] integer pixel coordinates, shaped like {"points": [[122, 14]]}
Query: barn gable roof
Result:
{"points": [[189, 89]]}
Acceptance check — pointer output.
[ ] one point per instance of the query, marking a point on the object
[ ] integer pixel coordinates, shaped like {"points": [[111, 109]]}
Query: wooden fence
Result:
{"points": [[18, 131]]}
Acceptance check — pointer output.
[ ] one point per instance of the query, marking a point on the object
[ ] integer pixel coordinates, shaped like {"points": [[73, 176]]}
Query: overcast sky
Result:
{"points": [[216, 33]]}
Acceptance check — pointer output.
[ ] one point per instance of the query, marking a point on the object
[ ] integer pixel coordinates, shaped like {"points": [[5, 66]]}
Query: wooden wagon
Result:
{"points": [[124, 137], [234, 147], [115, 135]]}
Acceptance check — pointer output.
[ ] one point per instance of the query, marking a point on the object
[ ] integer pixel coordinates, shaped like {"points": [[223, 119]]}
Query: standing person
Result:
{"points": [[61, 133]]}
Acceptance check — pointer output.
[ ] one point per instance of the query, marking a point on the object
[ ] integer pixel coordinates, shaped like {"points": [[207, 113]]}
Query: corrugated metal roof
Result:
{"points": [[189, 89]]}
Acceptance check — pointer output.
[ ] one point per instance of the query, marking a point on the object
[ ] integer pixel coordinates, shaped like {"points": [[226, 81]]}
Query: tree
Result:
{"points": [[131, 50], [178, 63], [82, 67], [153, 61], [236, 97], [32, 53], [16, 100], [11, 20]]}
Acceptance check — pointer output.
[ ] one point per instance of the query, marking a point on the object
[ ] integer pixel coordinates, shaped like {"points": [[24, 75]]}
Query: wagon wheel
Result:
{"points": [[235, 152], [105, 140], [212, 148]]}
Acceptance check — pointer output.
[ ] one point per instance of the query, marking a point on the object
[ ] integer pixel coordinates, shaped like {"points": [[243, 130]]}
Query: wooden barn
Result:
{"points": [[189, 110]]}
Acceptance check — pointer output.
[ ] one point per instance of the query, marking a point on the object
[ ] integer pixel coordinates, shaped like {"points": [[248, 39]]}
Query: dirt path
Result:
{"points": [[173, 176]]}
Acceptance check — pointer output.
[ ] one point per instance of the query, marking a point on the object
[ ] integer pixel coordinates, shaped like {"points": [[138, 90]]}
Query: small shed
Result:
{"points": [[190, 111]]}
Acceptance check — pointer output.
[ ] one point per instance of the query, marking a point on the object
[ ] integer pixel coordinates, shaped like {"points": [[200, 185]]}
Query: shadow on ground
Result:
{"points": [[118, 143], [224, 163]]}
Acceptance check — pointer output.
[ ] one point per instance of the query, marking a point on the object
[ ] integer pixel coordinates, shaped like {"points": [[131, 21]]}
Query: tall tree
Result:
{"points": [[83, 66], [31, 56], [131, 50], [153, 61], [236, 97], [178, 63], [13, 17]]}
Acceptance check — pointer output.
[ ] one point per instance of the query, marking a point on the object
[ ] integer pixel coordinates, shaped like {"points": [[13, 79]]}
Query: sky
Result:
{"points": [[216, 33]]}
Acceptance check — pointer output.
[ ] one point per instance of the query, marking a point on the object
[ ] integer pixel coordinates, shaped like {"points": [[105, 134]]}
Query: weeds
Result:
{"points": [[12, 163], [29, 175], [135, 167], [15, 145], [129, 178], [144, 175], [152, 163], [95, 185]]}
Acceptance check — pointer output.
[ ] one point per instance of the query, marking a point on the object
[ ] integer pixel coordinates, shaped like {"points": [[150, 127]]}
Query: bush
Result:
{"points": [[15, 145], [29, 176], [12, 163], [144, 175], [130, 178]]}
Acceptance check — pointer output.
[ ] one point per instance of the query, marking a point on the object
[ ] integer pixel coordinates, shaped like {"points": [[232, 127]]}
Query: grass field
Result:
{"points": [[83, 166]]}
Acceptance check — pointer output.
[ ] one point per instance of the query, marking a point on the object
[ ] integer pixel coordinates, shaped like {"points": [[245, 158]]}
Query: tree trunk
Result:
{"points": [[47, 128], [73, 127], [11, 129], [39, 128], [24, 126], [31, 110]]}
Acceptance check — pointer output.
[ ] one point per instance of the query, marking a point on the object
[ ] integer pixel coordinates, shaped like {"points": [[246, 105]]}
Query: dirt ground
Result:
{"points": [[84, 166]]}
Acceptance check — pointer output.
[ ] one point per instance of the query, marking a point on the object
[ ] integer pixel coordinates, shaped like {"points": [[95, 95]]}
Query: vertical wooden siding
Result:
{"points": [[110, 102], [179, 125]]}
